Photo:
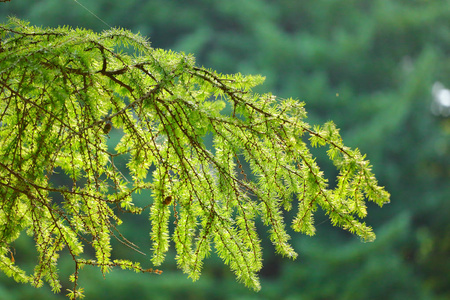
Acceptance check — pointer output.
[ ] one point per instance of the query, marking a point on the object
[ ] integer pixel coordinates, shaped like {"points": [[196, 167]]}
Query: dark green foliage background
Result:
{"points": [[367, 65]]}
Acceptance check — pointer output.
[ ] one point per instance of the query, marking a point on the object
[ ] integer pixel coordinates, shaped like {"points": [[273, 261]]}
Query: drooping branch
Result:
{"points": [[58, 89]]}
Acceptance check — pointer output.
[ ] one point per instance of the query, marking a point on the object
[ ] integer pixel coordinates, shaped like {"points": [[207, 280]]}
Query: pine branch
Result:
{"points": [[63, 91]]}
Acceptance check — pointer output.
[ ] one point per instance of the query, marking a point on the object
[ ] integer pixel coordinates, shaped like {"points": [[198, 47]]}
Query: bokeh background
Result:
{"points": [[379, 69]]}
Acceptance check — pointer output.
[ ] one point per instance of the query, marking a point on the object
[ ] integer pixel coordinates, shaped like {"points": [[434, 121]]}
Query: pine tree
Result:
{"points": [[63, 90]]}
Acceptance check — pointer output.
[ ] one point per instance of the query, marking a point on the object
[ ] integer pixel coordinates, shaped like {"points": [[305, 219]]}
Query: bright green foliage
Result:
{"points": [[59, 89]]}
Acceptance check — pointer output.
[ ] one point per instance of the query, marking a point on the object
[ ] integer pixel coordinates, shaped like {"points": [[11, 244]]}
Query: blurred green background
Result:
{"points": [[379, 69]]}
